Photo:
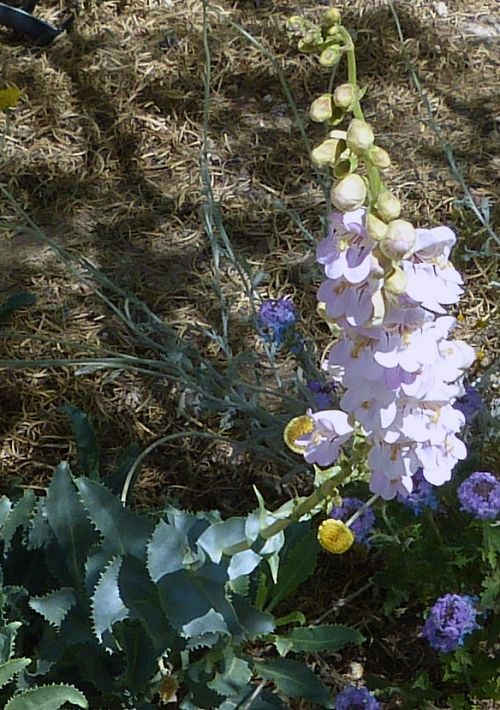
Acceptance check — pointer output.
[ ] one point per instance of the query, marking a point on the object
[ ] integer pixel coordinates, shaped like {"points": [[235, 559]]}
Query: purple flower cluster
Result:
{"points": [[276, 322], [400, 371], [421, 497], [469, 404], [322, 393], [352, 698], [479, 495], [450, 620], [363, 525]]}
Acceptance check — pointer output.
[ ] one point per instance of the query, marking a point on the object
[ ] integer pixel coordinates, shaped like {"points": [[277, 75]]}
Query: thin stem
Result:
{"points": [[361, 510]]}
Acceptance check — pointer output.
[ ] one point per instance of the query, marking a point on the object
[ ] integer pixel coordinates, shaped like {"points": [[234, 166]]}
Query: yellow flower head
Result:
{"points": [[9, 97], [335, 536], [297, 427]]}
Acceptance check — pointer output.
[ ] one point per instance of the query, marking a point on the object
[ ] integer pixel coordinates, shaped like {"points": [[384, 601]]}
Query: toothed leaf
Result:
{"points": [[39, 531], [9, 669], [47, 697], [5, 508], [107, 606], [295, 680], [234, 677], [140, 596], [55, 605], [125, 532], [17, 517], [141, 663], [312, 639], [69, 523], [8, 633], [86, 441], [166, 551], [221, 536], [255, 622], [211, 623]]}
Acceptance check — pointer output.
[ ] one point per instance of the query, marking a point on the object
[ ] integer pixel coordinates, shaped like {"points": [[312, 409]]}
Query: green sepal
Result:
{"points": [[295, 680], [47, 697], [124, 532]]}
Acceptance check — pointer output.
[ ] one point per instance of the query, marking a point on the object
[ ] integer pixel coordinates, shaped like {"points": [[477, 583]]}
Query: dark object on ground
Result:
{"points": [[22, 21]]}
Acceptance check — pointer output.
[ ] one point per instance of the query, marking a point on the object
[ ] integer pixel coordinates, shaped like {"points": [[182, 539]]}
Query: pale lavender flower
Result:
{"points": [[450, 620], [479, 495], [346, 252], [422, 495], [331, 430], [352, 698], [363, 525]]}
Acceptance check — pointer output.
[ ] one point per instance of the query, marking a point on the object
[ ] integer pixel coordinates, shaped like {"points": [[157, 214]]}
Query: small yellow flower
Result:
{"points": [[297, 427], [335, 536], [9, 97]]}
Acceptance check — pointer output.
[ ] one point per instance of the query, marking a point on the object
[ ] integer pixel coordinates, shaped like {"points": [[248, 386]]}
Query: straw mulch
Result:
{"points": [[103, 153]]}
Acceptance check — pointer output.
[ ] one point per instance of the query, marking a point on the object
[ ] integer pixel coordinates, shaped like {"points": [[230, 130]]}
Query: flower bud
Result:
{"points": [[321, 108], [399, 239], [331, 17], [379, 157], [396, 283], [375, 228], [326, 153], [359, 135], [388, 206], [297, 427], [335, 536], [330, 56], [349, 193], [343, 96]]}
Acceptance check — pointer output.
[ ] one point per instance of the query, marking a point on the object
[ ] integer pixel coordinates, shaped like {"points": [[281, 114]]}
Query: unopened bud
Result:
{"points": [[330, 56], [331, 17], [388, 206], [375, 228], [396, 283], [343, 95], [359, 135], [326, 153], [335, 536], [399, 240], [321, 108], [349, 193], [379, 157]]}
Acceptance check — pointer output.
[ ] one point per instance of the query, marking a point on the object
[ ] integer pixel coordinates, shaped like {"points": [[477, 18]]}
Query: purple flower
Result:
{"points": [[322, 392], [422, 495], [450, 619], [479, 495], [276, 321], [363, 525], [469, 404], [352, 698]]}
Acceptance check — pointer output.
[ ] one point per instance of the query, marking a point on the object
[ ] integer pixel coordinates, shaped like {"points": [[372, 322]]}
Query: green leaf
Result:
{"points": [[187, 595], [166, 551], [18, 516], [294, 617], [141, 658], [141, 597], [8, 633], [255, 622], [243, 563], [86, 442], [124, 532], [16, 301], [69, 523], [235, 676], [312, 639], [107, 605], [264, 701], [47, 697], [298, 565], [221, 537], [211, 623], [9, 669], [5, 508], [39, 531], [294, 679], [55, 605]]}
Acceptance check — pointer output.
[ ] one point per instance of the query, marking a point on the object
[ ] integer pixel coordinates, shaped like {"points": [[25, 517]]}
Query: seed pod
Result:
{"points": [[330, 56]]}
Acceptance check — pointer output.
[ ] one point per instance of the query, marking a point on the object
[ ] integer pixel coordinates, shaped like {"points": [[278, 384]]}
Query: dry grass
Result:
{"points": [[103, 153]]}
